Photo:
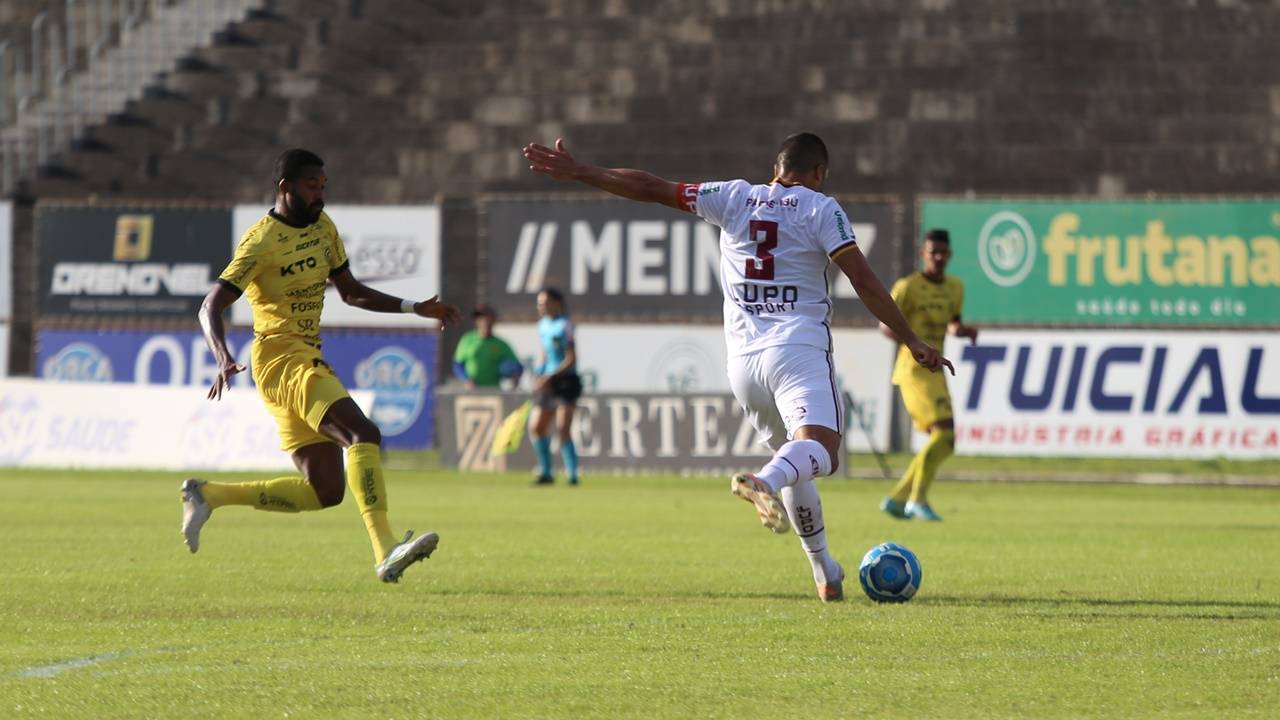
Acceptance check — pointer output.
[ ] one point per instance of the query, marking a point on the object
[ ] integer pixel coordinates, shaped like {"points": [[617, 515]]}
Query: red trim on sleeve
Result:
{"points": [[687, 197]]}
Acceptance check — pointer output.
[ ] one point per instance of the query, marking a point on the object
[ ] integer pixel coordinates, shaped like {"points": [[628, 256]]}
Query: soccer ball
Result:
{"points": [[889, 573]]}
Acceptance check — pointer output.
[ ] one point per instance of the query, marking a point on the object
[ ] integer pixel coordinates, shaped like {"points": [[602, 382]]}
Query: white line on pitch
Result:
{"points": [[48, 671]]}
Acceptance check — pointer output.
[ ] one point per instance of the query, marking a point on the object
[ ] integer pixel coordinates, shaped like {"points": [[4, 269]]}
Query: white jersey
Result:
{"points": [[775, 244]]}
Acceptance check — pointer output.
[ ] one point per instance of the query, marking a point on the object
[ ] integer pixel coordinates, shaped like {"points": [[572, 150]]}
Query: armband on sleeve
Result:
{"points": [[687, 197]]}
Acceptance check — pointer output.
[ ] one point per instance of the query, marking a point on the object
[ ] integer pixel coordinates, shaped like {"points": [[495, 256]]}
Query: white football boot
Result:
{"points": [[406, 553], [195, 512], [768, 505]]}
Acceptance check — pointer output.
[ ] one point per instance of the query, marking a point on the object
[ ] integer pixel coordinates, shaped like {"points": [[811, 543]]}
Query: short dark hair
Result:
{"points": [[938, 235], [291, 163], [802, 152], [554, 294]]}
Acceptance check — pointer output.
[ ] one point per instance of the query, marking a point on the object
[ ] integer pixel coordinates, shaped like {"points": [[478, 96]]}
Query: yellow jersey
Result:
{"points": [[282, 270], [929, 307]]}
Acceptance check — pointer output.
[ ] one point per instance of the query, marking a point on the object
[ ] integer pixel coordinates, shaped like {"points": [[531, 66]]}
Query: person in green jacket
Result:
{"points": [[484, 359]]}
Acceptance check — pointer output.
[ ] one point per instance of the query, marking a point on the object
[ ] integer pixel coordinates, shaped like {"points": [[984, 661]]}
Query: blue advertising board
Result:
{"points": [[396, 366]]}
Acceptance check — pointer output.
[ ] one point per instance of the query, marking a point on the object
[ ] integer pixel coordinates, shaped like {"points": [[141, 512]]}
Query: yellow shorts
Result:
{"points": [[927, 399], [298, 387]]}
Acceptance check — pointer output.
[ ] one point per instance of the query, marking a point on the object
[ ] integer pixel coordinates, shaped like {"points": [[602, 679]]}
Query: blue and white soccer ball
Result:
{"points": [[890, 573]]}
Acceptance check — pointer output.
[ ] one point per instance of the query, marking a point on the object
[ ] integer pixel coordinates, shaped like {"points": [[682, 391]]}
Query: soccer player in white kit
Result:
{"points": [[776, 241]]}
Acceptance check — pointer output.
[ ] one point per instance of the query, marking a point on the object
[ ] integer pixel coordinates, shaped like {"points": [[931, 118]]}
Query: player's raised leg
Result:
{"points": [[347, 424], [813, 416], [283, 494], [750, 390], [797, 461]]}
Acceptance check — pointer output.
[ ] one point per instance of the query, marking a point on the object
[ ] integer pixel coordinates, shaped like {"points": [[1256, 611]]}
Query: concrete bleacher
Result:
{"points": [[408, 99]]}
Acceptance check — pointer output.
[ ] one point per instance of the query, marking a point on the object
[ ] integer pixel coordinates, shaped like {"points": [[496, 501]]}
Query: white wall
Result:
{"points": [[110, 425]]}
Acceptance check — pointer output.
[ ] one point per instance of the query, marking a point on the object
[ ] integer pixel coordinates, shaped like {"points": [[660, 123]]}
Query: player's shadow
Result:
{"points": [[1191, 608]]}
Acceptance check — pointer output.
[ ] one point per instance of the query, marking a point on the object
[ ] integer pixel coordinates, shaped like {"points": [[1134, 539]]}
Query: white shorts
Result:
{"points": [[784, 388]]}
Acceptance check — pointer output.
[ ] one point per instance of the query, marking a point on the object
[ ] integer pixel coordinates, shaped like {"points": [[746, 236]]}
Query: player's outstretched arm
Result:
{"points": [[357, 294], [220, 298], [631, 184], [881, 304]]}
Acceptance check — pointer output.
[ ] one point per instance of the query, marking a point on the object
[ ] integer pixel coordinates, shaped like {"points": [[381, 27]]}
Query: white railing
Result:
{"points": [[85, 60]]}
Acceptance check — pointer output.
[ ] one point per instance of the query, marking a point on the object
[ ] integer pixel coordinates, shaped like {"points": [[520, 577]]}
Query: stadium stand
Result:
{"points": [[422, 100], [411, 98]]}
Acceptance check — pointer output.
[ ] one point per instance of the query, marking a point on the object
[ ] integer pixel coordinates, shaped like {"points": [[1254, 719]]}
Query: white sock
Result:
{"points": [[804, 507], [795, 462]]}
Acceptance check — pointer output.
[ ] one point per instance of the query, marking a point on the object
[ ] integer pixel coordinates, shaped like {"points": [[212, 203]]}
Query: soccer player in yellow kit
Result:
{"points": [[282, 265], [931, 302]]}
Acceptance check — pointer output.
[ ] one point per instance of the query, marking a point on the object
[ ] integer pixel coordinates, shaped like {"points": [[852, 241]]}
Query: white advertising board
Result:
{"points": [[1173, 394], [109, 425], [395, 249], [6, 261], [4, 348], [631, 358]]}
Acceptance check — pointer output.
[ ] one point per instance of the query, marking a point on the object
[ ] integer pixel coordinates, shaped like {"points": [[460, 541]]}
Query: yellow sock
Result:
{"points": [[941, 445], [903, 488], [364, 477], [282, 494]]}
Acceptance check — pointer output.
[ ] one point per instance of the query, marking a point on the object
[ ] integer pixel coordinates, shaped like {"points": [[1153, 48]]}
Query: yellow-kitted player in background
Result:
{"points": [[931, 302], [282, 266]]}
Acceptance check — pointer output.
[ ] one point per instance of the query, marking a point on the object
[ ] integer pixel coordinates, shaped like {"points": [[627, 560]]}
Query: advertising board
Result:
{"points": [[397, 368], [655, 358], [616, 259], [6, 261], [107, 425], [134, 261], [1188, 263], [1184, 394], [635, 432], [394, 249]]}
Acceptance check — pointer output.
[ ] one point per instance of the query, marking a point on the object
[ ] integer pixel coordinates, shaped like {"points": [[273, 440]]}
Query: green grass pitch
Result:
{"points": [[654, 597]]}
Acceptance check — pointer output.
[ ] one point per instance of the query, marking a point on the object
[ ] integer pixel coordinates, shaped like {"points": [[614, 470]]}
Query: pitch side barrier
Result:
{"points": [[631, 432], [6, 282], [689, 359], [394, 365], [1117, 393], [119, 426], [674, 433], [623, 261]]}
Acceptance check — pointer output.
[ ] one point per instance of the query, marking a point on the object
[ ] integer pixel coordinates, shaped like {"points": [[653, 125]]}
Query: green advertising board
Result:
{"points": [[1140, 263]]}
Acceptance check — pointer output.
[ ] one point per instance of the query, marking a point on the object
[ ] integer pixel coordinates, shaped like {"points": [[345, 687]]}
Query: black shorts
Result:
{"points": [[562, 390]]}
